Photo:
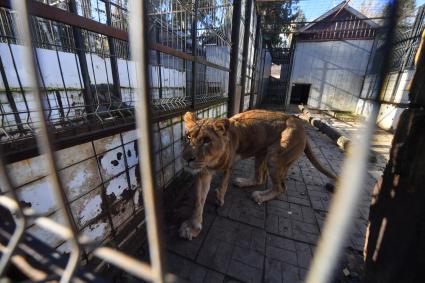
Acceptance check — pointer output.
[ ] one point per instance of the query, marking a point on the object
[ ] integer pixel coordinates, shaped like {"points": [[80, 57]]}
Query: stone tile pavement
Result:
{"points": [[273, 242]]}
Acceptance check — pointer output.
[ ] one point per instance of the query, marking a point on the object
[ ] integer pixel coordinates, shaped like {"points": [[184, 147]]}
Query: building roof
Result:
{"points": [[334, 10], [340, 22]]}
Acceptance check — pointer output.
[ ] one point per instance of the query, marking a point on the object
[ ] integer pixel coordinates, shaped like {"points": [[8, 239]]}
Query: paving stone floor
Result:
{"points": [[273, 242]]}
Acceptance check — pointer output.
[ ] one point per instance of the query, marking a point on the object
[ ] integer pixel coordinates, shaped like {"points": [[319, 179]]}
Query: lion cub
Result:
{"points": [[275, 139]]}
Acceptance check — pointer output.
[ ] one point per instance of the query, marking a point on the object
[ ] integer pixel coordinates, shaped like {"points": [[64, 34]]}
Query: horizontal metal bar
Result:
{"points": [[24, 149], [52, 13], [185, 56], [27, 148]]}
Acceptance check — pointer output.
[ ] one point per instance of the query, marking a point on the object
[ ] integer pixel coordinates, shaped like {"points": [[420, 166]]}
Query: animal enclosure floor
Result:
{"points": [[275, 241]]}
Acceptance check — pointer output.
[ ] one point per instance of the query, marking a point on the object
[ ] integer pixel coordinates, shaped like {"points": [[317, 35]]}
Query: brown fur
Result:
{"points": [[275, 139]]}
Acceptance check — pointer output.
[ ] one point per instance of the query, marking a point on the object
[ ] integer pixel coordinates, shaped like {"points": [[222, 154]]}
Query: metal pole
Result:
{"points": [[10, 98], [158, 61], [350, 181], [245, 51], [43, 139], [79, 45], [112, 53], [138, 39], [234, 54], [194, 30], [254, 66], [263, 63]]}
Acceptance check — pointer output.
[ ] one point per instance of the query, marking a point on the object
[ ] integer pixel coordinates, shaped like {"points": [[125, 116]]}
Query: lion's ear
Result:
{"points": [[221, 125], [190, 120]]}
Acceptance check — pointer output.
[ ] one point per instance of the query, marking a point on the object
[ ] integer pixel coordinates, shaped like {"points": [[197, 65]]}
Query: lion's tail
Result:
{"points": [[316, 162]]}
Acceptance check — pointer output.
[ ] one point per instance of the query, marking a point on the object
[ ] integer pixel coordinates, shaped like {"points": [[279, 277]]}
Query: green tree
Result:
{"points": [[278, 18]]}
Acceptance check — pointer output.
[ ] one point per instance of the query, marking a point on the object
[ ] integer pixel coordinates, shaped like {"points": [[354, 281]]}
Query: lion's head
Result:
{"points": [[206, 141]]}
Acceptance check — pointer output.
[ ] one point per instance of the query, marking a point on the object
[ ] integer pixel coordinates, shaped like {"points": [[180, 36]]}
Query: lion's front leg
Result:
{"points": [[221, 192], [192, 227]]}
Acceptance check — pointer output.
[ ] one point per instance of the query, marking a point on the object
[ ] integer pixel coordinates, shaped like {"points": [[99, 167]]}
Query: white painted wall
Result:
{"points": [[388, 114], [335, 70]]}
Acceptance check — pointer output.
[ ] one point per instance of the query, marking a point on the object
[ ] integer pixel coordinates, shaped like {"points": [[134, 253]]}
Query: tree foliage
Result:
{"points": [[279, 18], [406, 12]]}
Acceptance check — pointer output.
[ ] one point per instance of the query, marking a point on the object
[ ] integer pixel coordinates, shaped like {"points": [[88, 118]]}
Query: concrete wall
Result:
{"points": [[335, 70], [396, 91]]}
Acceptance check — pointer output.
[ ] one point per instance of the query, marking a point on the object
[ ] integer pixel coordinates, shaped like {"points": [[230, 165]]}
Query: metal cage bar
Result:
{"points": [[44, 142], [138, 47], [349, 187]]}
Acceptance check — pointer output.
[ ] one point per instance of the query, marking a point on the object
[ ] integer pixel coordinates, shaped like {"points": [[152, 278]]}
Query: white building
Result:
{"points": [[330, 60]]}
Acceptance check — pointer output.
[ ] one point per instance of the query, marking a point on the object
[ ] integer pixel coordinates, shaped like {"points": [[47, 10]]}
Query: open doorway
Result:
{"points": [[299, 93]]}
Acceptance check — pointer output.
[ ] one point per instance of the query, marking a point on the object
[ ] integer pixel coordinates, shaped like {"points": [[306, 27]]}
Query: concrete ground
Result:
{"points": [[273, 242]]}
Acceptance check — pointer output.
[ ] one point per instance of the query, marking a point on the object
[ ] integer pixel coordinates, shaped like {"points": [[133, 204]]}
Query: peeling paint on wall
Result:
{"points": [[87, 207], [39, 194], [122, 213], [117, 186], [80, 178]]}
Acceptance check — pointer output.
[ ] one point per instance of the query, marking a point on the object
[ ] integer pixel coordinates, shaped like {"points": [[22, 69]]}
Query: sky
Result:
{"points": [[314, 9]]}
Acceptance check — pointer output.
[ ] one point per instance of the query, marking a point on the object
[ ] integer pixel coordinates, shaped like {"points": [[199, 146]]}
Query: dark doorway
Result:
{"points": [[299, 93]]}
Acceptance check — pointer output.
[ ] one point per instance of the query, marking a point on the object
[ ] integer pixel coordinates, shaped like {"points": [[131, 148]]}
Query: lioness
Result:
{"points": [[275, 139]]}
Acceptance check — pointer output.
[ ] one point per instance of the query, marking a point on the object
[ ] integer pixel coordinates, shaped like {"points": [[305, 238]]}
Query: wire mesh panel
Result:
{"points": [[77, 95], [87, 90]]}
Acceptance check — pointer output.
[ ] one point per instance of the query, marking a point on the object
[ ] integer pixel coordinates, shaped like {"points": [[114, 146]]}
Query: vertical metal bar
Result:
{"points": [[79, 46], [234, 54], [10, 98], [43, 138], [158, 59], [112, 54], [288, 88], [246, 37], [371, 56], [254, 65], [416, 96], [138, 37], [194, 53], [351, 179], [261, 86]]}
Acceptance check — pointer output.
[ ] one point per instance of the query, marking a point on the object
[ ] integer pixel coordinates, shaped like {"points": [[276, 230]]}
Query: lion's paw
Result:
{"points": [[257, 197], [219, 198], [243, 182], [189, 230]]}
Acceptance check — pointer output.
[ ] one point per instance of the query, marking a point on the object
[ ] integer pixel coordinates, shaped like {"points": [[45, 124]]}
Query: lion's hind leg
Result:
{"points": [[277, 175], [279, 157], [260, 173]]}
